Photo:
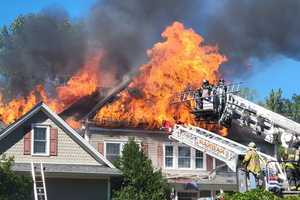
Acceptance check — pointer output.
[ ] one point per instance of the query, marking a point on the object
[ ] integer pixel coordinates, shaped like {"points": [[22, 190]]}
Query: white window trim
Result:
{"points": [[175, 158], [121, 142], [47, 153], [204, 160], [114, 142], [164, 154], [191, 157]]}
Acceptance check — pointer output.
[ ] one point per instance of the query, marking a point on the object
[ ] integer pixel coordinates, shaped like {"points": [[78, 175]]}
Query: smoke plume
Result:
{"points": [[126, 29], [49, 46], [38, 48], [254, 29]]}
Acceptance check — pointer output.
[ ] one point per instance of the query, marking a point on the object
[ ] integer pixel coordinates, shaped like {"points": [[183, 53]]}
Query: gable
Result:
{"points": [[71, 148]]}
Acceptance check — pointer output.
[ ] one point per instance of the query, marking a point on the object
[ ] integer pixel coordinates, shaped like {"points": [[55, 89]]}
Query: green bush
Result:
{"points": [[13, 186], [257, 194]]}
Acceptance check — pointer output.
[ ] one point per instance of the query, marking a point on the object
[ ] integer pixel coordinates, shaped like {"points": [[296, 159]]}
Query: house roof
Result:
{"points": [[109, 97], [85, 171], [62, 124]]}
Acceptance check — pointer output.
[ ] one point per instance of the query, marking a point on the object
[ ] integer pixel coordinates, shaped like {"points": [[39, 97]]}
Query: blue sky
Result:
{"points": [[281, 73]]}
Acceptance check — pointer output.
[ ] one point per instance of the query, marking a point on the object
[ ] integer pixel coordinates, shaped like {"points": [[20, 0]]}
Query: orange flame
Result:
{"points": [[83, 83], [73, 123], [180, 61]]}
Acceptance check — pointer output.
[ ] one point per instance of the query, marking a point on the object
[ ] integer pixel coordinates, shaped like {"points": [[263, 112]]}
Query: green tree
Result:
{"points": [[141, 181], [248, 93], [13, 186], [275, 101], [287, 107]]}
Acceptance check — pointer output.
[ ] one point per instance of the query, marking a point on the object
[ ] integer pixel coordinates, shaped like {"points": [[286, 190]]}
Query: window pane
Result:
{"points": [[184, 162], [40, 133], [205, 193], [169, 151], [184, 151], [199, 154], [112, 158], [113, 151], [198, 159], [39, 147], [113, 148], [187, 196], [199, 163], [184, 157], [169, 162]]}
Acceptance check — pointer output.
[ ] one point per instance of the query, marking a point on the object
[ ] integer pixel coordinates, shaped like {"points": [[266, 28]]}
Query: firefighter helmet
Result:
{"points": [[252, 145]]}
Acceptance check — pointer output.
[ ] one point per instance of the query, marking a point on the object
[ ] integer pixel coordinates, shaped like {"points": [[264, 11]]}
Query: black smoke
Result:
{"points": [[49, 45], [40, 48], [254, 29], [126, 29]]}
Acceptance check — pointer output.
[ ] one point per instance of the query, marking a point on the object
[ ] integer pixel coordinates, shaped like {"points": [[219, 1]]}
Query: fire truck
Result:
{"points": [[222, 105]]}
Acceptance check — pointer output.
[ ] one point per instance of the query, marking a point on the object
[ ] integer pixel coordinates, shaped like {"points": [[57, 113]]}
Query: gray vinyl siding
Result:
{"points": [[68, 151]]}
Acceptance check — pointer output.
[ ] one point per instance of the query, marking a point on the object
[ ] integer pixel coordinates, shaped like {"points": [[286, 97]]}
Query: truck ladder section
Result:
{"points": [[191, 94], [275, 125], [39, 184], [219, 147]]}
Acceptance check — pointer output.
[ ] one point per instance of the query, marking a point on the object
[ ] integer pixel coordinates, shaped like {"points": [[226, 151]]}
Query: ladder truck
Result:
{"points": [[223, 106], [227, 108]]}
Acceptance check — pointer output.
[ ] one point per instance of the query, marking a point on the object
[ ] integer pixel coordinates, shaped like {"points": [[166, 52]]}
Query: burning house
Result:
{"points": [[106, 118]]}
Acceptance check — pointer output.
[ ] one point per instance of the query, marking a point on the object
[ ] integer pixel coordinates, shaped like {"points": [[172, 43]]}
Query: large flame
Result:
{"points": [[181, 61], [83, 83]]}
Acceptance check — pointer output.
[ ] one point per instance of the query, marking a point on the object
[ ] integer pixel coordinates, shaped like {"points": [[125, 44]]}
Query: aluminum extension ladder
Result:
{"points": [[39, 185]]}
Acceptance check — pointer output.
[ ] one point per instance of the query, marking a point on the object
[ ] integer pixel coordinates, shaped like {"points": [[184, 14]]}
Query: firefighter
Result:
{"points": [[290, 167], [206, 89], [246, 117], [203, 92], [220, 96], [260, 125], [198, 97], [252, 164]]}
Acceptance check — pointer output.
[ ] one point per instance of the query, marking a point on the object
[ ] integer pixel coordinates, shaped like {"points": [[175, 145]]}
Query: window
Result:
{"points": [[205, 193], [187, 196], [198, 159], [113, 151], [40, 140], [184, 157], [169, 156]]}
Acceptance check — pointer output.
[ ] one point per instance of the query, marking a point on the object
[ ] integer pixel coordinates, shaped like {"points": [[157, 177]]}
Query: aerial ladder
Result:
{"points": [[224, 149], [225, 107], [272, 127]]}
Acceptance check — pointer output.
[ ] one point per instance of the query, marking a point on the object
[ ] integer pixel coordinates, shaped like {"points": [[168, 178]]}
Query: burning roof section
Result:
{"points": [[181, 61], [84, 83]]}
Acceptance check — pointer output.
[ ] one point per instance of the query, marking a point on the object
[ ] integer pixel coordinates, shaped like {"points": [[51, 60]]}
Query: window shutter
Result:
{"points": [[209, 163], [160, 155], [101, 147], [145, 148], [27, 143], [53, 141]]}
